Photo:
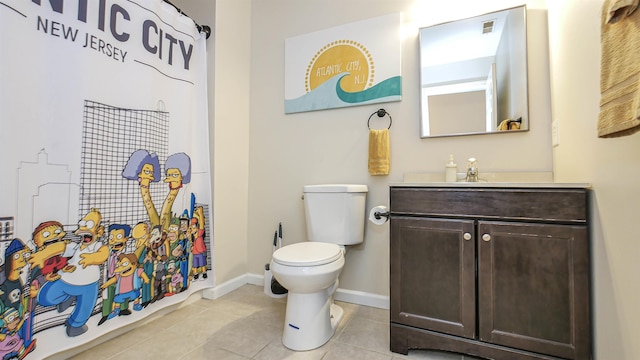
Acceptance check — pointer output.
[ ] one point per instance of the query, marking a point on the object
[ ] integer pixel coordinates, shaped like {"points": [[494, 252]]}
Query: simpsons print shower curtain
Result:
{"points": [[105, 193]]}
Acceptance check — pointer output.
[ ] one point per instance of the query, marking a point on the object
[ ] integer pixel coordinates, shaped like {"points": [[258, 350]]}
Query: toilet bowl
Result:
{"points": [[309, 270]]}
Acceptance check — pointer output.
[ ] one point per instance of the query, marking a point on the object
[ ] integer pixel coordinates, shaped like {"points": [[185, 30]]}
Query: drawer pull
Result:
{"points": [[486, 237], [466, 236]]}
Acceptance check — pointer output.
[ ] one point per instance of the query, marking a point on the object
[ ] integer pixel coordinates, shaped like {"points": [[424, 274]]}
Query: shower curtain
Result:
{"points": [[105, 191]]}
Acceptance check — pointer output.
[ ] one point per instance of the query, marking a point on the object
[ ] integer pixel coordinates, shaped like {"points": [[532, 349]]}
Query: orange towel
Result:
{"points": [[379, 152]]}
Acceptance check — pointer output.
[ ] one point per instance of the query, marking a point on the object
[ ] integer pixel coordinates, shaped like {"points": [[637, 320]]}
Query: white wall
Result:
{"points": [[611, 165]]}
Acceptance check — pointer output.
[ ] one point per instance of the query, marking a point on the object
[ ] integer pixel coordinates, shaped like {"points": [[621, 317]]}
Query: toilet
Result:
{"points": [[335, 216]]}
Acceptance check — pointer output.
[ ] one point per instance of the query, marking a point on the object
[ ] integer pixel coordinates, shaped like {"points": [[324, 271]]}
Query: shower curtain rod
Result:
{"points": [[202, 28]]}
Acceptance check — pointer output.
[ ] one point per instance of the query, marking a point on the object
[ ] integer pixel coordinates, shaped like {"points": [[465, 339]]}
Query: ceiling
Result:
{"points": [[461, 40]]}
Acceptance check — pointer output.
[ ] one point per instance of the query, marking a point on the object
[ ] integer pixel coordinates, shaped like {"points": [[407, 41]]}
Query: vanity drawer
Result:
{"points": [[548, 205]]}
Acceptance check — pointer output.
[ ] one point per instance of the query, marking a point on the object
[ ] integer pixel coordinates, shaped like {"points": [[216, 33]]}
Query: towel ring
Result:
{"points": [[381, 113]]}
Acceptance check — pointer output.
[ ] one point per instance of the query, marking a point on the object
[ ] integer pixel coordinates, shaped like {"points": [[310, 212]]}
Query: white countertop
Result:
{"points": [[541, 185], [489, 180]]}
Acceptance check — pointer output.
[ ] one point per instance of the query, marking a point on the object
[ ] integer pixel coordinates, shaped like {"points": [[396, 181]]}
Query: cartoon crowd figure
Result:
{"points": [[128, 266], [15, 331]]}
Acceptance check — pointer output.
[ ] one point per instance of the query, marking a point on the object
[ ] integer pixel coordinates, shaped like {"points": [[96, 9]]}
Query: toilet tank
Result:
{"points": [[335, 213]]}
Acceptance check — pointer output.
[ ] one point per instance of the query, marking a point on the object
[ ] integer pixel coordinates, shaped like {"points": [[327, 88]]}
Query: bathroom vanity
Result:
{"points": [[499, 271]]}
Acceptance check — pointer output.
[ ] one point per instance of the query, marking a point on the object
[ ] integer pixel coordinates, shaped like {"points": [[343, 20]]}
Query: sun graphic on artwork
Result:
{"points": [[341, 56]]}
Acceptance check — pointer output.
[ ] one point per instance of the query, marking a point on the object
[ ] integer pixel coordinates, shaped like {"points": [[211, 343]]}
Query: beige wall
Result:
{"points": [[230, 137], [290, 151], [229, 81], [611, 165], [263, 157]]}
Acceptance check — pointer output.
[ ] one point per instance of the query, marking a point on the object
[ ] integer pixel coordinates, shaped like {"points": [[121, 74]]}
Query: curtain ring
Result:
{"points": [[380, 113]]}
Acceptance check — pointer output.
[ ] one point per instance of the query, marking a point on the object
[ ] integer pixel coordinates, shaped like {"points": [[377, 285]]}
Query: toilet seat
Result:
{"points": [[307, 254]]}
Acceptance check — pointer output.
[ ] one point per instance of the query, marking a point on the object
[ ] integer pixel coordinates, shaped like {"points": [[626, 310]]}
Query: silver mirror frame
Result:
{"points": [[523, 92]]}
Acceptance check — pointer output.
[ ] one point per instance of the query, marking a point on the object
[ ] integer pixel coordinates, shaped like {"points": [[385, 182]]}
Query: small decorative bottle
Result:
{"points": [[450, 170]]}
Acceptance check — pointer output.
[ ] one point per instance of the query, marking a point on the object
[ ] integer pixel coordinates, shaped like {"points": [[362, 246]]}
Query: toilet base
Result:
{"points": [[310, 321]]}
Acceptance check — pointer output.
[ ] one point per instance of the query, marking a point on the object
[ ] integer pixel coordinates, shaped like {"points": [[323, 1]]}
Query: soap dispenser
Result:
{"points": [[450, 170]]}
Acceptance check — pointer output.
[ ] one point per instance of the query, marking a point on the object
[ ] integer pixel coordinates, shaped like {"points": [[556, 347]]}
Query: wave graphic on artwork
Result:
{"points": [[330, 95]]}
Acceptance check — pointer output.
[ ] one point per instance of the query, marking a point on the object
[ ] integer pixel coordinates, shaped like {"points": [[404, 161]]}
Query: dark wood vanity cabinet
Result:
{"points": [[499, 273]]}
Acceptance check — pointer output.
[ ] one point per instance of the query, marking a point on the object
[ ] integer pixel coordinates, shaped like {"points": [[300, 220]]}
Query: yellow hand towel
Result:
{"points": [[504, 125], [379, 152], [509, 124]]}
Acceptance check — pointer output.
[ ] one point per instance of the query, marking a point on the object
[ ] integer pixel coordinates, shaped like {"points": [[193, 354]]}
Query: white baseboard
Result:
{"points": [[255, 279], [346, 295], [226, 287], [362, 298]]}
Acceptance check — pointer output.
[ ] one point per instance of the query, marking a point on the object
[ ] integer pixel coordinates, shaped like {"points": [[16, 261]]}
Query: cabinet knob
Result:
{"points": [[466, 236], [486, 237]]}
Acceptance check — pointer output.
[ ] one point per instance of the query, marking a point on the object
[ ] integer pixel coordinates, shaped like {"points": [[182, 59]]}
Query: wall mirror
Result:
{"points": [[473, 75]]}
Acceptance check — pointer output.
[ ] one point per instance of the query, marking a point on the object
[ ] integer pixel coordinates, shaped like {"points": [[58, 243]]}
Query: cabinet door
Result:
{"points": [[433, 274], [533, 287]]}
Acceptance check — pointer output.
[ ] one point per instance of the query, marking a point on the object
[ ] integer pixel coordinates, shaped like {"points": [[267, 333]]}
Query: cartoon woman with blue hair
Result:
{"points": [[145, 168], [177, 172]]}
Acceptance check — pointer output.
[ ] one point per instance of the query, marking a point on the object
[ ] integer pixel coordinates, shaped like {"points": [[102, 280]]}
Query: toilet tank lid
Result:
{"points": [[335, 188]]}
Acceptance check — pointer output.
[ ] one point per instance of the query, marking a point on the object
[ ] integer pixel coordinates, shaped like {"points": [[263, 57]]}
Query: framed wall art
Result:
{"points": [[348, 65]]}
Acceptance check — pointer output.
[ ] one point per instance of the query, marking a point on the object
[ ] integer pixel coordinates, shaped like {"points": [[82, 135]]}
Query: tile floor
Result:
{"points": [[247, 324]]}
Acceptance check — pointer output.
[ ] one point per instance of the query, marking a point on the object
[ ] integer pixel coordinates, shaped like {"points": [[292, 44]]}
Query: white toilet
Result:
{"points": [[335, 216]]}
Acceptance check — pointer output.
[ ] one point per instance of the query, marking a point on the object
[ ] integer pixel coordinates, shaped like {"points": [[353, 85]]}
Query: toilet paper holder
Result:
{"points": [[379, 215]]}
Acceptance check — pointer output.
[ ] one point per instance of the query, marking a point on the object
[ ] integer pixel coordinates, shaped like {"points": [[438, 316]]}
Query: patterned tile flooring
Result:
{"points": [[247, 324]]}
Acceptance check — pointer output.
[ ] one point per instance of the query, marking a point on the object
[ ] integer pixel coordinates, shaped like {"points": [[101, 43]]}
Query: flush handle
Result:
{"points": [[486, 237], [466, 236]]}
